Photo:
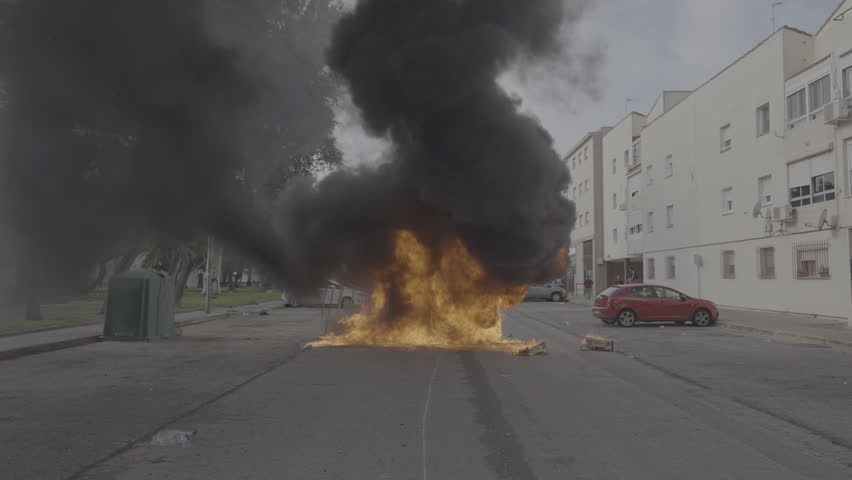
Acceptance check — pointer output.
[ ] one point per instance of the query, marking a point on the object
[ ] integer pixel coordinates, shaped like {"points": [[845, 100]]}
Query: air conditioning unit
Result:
{"points": [[783, 213], [836, 112]]}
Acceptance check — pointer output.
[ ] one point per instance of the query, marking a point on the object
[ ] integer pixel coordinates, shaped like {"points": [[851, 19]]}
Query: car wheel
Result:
{"points": [[555, 297], [626, 318], [702, 318], [347, 300]]}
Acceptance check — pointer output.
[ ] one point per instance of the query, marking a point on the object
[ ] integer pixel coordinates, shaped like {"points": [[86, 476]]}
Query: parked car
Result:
{"points": [[335, 294], [553, 292], [626, 305]]}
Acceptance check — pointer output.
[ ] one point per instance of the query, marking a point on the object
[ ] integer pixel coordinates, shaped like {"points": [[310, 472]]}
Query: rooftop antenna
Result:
{"points": [[773, 4]]}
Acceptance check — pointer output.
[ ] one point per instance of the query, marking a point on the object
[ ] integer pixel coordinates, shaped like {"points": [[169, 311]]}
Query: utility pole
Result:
{"points": [[627, 102], [773, 4], [208, 285]]}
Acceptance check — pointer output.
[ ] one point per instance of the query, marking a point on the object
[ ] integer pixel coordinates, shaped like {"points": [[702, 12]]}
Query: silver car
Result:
{"points": [[333, 295], [552, 292]]}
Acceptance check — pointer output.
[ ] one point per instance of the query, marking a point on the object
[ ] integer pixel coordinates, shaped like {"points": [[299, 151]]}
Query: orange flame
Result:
{"points": [[422, 301]]}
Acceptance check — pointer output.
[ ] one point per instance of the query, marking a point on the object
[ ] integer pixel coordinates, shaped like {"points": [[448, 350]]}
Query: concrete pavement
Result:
{"points": [[673, 402], [14, 346], [63, 411]]}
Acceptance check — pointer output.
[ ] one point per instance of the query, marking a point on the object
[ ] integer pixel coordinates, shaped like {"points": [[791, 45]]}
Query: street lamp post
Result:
{"points": [[208, 285]]}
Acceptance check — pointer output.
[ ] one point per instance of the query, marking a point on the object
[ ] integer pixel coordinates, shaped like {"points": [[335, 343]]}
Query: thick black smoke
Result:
{"points": [[129, 119], [466, 162], [137, 119]]}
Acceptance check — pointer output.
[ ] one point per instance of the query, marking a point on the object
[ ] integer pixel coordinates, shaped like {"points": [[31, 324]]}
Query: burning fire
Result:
{"points": [[422, 301]]}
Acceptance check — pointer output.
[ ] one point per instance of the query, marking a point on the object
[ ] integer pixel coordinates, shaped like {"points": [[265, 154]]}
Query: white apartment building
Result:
{"points": [[736, 193], [622, 158], [586, 249]]}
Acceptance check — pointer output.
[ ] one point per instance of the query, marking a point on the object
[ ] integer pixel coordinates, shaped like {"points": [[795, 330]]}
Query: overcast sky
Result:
{"points": [[631, 49]]}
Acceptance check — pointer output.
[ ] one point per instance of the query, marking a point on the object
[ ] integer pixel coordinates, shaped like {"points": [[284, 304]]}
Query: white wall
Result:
{"points": [[615, 143]]}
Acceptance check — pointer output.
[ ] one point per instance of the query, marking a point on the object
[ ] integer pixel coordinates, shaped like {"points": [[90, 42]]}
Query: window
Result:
{"points": [[819, 93], [847, 82], [764, 194], [637, 152], [669, 166], [614, 161], [728, 266], [670, 268], [586, 153], [663, 292], [626, 158], [811, 181], [650, 222], [811, 260], [642, 292], [728, 200], [649, 172], [725, 138], [587, 217], [634, 184], [763, 120], [587, 185], [651, 269], [614, 235], [574, 193], [670, 216], [614, 201], [574, 163], [797, 109], [634, 222], [766, 263]]}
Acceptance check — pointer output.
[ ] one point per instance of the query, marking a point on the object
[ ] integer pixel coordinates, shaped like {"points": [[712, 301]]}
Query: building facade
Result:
{"points": [[585, 161], [735, 191]]}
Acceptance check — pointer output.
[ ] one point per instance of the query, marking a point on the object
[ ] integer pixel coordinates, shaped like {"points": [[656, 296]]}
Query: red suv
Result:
{"points": [[628, 304]]}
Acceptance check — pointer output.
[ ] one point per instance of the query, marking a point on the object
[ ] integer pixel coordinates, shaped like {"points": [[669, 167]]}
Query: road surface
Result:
{"points": [[673, 403]]}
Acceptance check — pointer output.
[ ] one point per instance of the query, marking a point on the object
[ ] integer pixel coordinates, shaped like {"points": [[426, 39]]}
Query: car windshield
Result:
{"points": [[609, 292]]}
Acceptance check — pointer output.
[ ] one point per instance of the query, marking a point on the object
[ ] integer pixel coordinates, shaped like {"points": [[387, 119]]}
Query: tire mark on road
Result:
{"points": [[425, 418], [506, 457]]}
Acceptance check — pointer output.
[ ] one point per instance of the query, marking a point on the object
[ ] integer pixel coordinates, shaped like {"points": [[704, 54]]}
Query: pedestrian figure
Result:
{"points": [[587, 284], [618, 280], [631, 276]]}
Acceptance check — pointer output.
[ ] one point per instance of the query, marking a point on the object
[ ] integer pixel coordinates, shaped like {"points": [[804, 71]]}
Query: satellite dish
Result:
{"points": [[823, 218], [756, 211]]}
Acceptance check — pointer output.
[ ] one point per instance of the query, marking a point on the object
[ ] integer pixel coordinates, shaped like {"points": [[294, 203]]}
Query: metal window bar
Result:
{"points": [[766, 263], [812, 260], [728, 265]]}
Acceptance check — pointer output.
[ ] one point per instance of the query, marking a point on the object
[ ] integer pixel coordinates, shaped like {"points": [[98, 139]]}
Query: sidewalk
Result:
{"points": [[47, 341], [803, 327]]}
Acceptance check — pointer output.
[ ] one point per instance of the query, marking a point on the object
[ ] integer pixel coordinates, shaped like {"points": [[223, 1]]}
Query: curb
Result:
{"points": [[47, 347], [773, 333], [88, 340]]}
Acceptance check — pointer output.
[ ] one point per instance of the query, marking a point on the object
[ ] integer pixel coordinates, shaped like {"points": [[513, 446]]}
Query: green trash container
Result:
{"points": [[140, 307]]}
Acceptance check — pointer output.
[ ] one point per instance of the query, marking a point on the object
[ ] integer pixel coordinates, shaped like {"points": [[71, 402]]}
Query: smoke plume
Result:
{"points": [[129, 119], [465, 161]]}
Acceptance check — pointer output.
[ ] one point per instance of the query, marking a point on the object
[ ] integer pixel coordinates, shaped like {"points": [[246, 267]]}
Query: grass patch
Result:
{"points": [[71, 313], [192, 297]]}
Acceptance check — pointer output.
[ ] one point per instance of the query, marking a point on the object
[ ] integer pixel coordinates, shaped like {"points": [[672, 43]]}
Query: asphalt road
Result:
{"points": [[672, 403]]}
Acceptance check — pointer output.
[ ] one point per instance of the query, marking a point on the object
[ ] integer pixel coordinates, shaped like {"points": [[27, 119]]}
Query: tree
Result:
{"points": [[178, 261]]}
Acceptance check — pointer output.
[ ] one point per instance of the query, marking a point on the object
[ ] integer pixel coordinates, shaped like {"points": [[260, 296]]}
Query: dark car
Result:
{"points": [[628, 304]]}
